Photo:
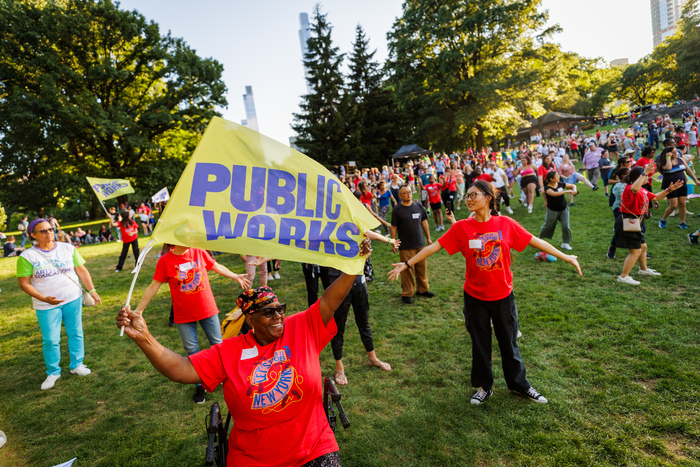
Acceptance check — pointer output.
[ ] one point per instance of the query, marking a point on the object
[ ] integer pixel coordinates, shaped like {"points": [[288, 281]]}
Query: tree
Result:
{"points": [[469, 69], [88, 89], [320, 126], [375, 126], [679, 55]]}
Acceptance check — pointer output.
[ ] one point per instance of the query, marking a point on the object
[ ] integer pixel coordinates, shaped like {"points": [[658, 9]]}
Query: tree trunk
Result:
{"points": [[480, 140]]}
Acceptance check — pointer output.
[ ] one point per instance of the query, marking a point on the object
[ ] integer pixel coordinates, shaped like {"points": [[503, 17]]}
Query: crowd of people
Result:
{"points": [[270, 372]]}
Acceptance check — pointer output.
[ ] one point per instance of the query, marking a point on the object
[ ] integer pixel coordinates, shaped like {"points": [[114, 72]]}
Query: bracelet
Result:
{"points": [[92, 291], [407, 265]]}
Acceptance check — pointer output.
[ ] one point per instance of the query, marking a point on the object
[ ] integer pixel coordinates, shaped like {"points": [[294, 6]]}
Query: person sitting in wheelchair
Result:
{"points": [[271, 376]]}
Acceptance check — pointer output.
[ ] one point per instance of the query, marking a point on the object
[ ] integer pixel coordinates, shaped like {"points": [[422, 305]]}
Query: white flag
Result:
{"points": [[161, 196]]}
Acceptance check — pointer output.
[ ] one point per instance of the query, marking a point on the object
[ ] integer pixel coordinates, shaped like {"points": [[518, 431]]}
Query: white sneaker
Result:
{"points": [[49, 382], [529, 209], [277, 275], [82, 370], [520, 334], [649, 272], [270, 277], [437, 229], [566, 246], [510, 211], [627, 280]]}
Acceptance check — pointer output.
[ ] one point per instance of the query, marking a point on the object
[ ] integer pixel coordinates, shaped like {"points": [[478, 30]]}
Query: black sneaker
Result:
{"points": [[693, 239], [480, 396], [533, 395], [407, 300], [426, 294], [198, 397], [611, 252], [596, 188]]}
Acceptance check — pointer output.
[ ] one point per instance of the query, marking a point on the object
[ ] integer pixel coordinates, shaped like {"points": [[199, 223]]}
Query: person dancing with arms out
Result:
{"points": [[633, 205], [271, 376], [485, 241]]}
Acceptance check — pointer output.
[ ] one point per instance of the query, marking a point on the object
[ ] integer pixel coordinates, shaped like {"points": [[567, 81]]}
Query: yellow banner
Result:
{"points": [[245, 193], [107, 188]]}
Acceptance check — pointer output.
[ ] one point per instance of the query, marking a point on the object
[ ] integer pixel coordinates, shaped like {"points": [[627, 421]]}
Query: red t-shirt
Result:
{"points": [[643, 162], [366, 198], [274, 392], [131, 233], [450, 184], [484, 177], [186, 275], [543, 171], [145, 210], [636, 204], [433, 192], [486, 248]]}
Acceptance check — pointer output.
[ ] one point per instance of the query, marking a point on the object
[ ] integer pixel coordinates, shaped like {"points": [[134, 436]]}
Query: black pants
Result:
{"points": [[125, 248], [448, 199], [478, 315], [359, 299], [311, 280], [503, 193]]}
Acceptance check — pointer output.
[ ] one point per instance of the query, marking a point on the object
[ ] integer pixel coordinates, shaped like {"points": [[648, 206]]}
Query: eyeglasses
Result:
{"points": [[474, 194], [43, 232], [271, 312]]}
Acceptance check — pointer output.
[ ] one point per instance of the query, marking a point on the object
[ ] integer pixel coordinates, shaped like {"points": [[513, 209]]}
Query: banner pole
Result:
{"points": [[135, 272]]}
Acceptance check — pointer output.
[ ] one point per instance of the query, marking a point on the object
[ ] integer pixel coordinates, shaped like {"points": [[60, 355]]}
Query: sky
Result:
{"points": [[258, 42]]}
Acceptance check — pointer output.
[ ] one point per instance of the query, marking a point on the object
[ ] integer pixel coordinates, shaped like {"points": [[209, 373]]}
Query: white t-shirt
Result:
{"points": [[46, 278], [498, 177]]}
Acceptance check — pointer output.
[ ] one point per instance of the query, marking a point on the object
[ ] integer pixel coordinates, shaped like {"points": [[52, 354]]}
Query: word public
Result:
{"points": [[271, 204]]}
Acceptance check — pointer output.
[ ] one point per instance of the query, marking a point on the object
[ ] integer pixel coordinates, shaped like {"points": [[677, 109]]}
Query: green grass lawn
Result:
{"points": [[619, 364]]}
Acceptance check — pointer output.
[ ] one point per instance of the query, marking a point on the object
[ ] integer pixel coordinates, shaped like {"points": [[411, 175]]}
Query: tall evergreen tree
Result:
{"points": [[374, 124], [320, 126]]}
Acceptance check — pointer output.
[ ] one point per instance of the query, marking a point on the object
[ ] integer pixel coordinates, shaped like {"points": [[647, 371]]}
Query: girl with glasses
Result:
{"points": [[485, 241]]}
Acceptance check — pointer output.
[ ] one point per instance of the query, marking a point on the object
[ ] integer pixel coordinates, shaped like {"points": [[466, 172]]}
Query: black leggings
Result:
{"points": [[359, 299], [125, 248]]}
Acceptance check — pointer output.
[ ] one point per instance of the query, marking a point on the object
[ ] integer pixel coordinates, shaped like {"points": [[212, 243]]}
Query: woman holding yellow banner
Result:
{"points": [[271, 376]]}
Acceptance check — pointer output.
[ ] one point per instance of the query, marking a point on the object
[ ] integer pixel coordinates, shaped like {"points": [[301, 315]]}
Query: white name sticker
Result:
{"points": [[416, 215], [249, 353], [475, 244], [187, 266]]}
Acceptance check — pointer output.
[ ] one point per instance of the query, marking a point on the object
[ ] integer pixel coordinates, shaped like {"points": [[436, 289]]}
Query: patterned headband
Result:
{"points": [[252, 300]]}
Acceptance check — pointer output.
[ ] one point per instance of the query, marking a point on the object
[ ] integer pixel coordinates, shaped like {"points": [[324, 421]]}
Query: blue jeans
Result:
{"points": [[50, 324], [188, 333], [24, 238]]}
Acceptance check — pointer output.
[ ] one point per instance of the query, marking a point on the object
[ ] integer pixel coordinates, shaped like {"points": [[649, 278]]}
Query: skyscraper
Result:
{"points": [[664, 16], [251, 120], [304, 34]]}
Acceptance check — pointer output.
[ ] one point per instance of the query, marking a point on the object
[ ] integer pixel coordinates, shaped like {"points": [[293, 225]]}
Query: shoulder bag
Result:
{"points": [[87, 298]]}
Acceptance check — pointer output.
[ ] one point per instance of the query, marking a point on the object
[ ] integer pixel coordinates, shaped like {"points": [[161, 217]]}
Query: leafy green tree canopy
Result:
{"points": [[89, 89], [469, 69]]}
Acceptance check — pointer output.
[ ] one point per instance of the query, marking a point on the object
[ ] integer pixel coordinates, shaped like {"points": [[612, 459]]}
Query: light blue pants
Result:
{"points": [[71, 314], [188, 333]]}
